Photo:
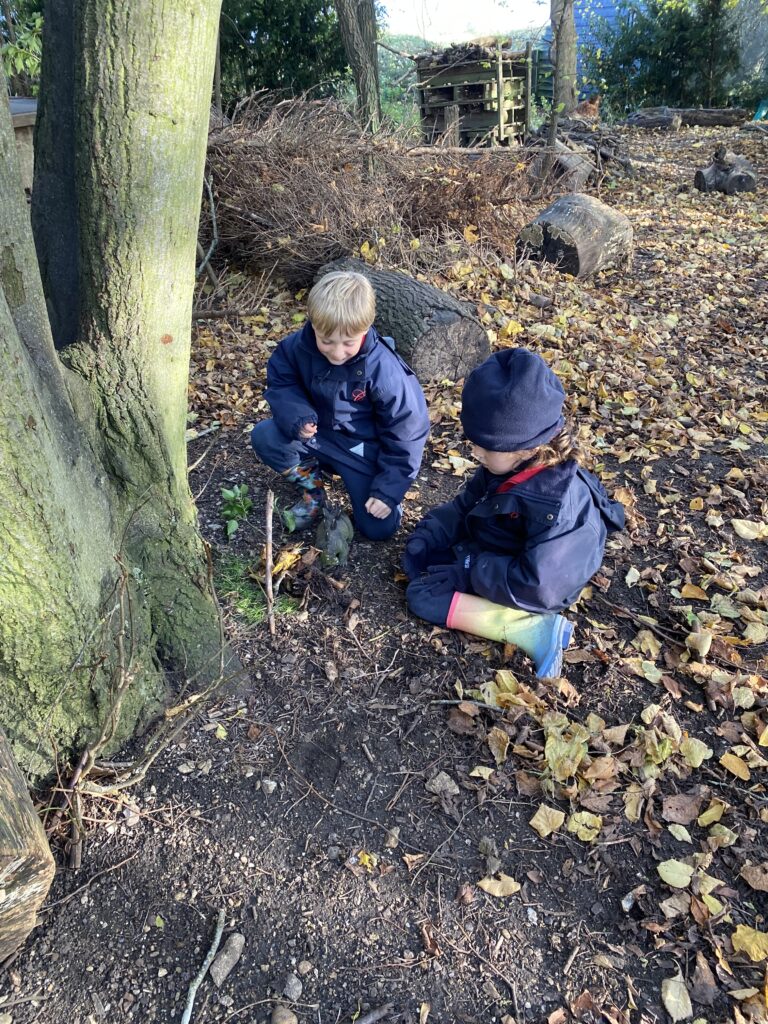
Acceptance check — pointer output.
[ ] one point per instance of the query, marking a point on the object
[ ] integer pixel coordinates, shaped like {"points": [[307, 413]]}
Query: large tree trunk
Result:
{"points": [[579, 234], [438, 336], [26, 864], [357, 21], [94, 501]]}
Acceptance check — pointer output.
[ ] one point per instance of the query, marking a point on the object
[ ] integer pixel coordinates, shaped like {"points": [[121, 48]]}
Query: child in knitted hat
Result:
{"points": [[523, 537]]}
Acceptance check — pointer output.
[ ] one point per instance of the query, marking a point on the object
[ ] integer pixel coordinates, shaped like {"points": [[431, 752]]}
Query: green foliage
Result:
{"points": [[397, 76], [21, 51], [235, 505], [291, 45], [674, 52], [235, 581]]}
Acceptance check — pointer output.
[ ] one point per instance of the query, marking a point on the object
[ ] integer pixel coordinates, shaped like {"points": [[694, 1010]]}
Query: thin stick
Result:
{"points": [[375, 1015], [104, 871], [268, 565], [197, 980]]}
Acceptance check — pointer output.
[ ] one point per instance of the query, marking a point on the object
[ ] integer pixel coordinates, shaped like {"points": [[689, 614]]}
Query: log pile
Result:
{"points": [[579, 234], [728, 173], [602, 147], [438, 336], [687, 117]]}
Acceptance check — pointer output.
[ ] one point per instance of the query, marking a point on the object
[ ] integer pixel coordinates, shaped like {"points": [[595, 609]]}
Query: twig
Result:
{"points": [[214, 231], [375, 1015], [268, 564], [198, 978], [104, 871]]}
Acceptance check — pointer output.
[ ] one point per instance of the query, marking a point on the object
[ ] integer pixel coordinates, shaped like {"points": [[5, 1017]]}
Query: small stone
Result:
{"points": [[442, 785], [225, 960], [304, 967], [268, 786], [162, 972], [334, 853], [282, 1015], [292, 987], [393, 838], [533, 917]]}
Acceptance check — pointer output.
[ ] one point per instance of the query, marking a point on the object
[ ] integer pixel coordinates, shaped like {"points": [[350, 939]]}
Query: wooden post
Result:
{"points": [[451, 135], [500, 92], [26, 863], [528, 85]]}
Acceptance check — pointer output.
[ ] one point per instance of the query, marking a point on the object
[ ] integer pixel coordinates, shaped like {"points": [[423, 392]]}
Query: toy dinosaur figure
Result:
{"points": [[334, 537]]}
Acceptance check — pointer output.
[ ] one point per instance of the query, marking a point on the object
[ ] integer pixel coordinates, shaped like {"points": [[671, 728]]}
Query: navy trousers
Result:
{"points": [[281, 453]]}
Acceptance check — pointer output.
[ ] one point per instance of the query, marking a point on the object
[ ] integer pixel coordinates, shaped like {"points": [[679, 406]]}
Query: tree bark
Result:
{"points": [[728, 173], [357, 21], [26, 864], [569, 168], [436, 335], [674, 117], [563, 56], [579, 234], [93, 490]]}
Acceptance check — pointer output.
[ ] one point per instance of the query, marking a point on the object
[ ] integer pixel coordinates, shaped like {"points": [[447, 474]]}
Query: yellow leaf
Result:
{"points": [[547, 820], [690, 590], [481, 772], [500, 887], [748, 530], [367, 860], [675, 873], [696, 505], [674, 995], [750, 941], [713, 813], [498, 741], [585, 825], [694, 751], [414, 243], [470, 234], [736, 766]]}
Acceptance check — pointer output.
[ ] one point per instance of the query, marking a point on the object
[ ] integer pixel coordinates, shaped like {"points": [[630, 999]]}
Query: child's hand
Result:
{"points": [[415, 557], [307, 431], [378, 509]]}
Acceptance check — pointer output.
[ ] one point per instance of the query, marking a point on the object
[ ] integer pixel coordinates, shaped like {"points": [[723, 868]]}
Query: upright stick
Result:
{"points": [[268, 565]]}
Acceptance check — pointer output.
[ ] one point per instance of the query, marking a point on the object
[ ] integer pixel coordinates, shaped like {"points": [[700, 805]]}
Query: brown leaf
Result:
{"points": [[756, 875], [466, 894], [682, 808], [461, 723], [703, 987], [429, 940]]}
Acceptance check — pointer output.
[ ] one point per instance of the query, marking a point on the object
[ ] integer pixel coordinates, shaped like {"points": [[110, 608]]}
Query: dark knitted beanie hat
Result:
{"points": [[512, 401]]}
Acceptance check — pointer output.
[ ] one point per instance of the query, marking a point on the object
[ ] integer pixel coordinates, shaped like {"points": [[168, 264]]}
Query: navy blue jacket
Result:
{"points": [[370, 411], [532, 546]]}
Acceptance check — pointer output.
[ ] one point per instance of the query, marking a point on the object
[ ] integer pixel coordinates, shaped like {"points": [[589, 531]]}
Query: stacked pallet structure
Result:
{"points": [[473, 95]]}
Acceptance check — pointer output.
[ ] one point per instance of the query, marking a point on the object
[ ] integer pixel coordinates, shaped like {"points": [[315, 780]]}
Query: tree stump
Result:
{"points": [[728, 172], [438, 336], [579, 234], [26, 864]]}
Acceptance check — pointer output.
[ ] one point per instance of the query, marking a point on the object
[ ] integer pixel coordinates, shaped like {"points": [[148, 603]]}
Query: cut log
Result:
{"points": [[579, 234], [728, 172], [569, 167], [656, 117], [674, 117], [438, 336], [26, 864]]}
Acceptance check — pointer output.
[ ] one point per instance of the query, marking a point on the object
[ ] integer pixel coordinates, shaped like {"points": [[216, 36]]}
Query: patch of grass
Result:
{"points": [[235, 585]]}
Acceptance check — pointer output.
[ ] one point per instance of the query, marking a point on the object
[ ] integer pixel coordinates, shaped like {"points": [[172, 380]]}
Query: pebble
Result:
{"points": [[268, 786], [304, 967], [227, 958], [334, 853], [292, 987], [282, 1015]]}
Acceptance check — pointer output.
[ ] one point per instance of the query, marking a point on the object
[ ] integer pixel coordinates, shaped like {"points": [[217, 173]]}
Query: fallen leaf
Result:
{"points": [[694, 593], [748, 530], [547, 820], [412, 860], [736, 766], [461, 723], [681, 833], [675, 873], [694, 751], [675, 997], [585, 825], [498, 742], [424, 1008], [500, 887], [682, 808], [481, 772], [442, 785], [756, 876], [750, 941], [703, 987]]}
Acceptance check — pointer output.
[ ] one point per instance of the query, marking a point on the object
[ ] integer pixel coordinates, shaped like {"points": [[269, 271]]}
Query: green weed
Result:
{"points": [[234, 583]]}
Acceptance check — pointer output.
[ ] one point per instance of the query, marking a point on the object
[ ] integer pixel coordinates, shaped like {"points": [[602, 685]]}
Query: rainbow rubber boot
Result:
{"points": [[309, 507], [542, 637]]}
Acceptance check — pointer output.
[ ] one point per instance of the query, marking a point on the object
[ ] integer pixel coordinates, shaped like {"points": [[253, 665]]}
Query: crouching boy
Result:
{"points": [[343, 400], [522, 538]]}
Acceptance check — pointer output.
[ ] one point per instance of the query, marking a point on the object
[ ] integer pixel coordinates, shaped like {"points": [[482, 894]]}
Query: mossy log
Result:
{"points": [[728, 173], [570, 167], [579, 234], [438, 336], [688, 117], [26, 864]]}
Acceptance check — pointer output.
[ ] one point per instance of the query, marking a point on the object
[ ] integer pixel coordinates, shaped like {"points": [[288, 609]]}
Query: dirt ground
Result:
{"points": [[332, 807]]}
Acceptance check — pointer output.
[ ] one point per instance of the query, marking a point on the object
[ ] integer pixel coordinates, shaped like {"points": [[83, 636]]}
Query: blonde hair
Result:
{"points": [[342, 300], [561, 448]]}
